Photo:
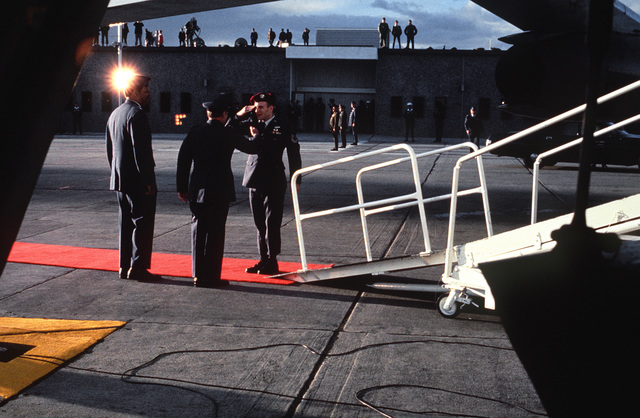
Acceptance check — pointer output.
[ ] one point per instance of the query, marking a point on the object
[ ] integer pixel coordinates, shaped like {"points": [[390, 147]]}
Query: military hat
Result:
{"points": [[263, 97], [220, 102]]}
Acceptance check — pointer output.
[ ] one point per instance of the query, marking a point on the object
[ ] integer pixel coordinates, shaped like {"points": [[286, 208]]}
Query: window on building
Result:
{"points": [[165, 102], [87, 101], [107, 105], [396, 106], [185, 102], [484, 108]]}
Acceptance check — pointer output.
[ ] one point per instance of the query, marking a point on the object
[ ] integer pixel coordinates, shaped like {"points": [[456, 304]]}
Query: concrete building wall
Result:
{"points": [[458, 78]]}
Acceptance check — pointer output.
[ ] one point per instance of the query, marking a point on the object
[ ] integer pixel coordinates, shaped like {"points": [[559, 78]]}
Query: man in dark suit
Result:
{"points": [[133, 178], [383, 30], [209, 187], [473, 126], [265, 177], [410, 31]]}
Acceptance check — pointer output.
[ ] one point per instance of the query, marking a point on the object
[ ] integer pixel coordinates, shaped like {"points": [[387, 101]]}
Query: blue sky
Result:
{"points": [[458, 23], [451, 23]]}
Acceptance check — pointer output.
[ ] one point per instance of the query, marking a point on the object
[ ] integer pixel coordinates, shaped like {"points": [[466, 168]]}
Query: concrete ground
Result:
{"points": [[311, 350]]}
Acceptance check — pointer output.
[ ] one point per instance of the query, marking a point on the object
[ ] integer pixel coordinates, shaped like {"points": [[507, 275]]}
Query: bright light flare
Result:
{"points": [[122, 77]]}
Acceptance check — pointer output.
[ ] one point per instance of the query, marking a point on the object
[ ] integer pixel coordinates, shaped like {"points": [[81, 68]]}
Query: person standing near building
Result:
{"points": [[409, 122], [271, 36], [265, 178], [353, 123], [208, 188], [410, 31], [473, 126], [305, 36], [396, 31], [137, 31], [182, 37], [254, 37], [77, 118], [383, 30], [333, 127], [105, 35], [342, 123], [160, 38], [125, 33], [133, 178]]}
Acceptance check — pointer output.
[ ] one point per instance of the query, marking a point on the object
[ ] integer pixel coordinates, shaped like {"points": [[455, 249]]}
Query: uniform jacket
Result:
{"points": [[333, 121], [342, 120], [129, 149], [352, 116], [208, 148], [396, 31], [265, 171], [410, 31], [473, 124]]}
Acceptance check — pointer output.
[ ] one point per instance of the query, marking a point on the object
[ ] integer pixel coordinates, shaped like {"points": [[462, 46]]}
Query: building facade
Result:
{"points": [[381, 81]]}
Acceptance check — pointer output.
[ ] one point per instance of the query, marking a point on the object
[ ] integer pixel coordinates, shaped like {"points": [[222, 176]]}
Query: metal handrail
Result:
{"points": [[364, 212], [502, 142], [571, 144], [415, 199]]}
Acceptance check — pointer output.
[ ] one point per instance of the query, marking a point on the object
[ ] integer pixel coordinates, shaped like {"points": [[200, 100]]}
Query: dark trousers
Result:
{"points": [[394, 42], [207, 239], [409, 129], [343, 135], [136, 215], [439, 131], [354, 132], [267, 208], [335, 138]]}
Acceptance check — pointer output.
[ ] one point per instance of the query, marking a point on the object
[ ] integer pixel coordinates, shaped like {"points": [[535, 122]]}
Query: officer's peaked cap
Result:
{"points": [[220, 102]]}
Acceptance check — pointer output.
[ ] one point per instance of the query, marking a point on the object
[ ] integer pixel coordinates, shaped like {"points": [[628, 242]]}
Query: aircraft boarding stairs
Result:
{"points": [[462, 280]]}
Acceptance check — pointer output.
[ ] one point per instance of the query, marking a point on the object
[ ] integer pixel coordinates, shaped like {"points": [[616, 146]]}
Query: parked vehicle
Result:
{"points": [[618, 147]]}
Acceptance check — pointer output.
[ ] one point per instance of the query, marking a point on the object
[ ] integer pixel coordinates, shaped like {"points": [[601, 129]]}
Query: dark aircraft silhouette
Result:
{"points": [[544, 73]]}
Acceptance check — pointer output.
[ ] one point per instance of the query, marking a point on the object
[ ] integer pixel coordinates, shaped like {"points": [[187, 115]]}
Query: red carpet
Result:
{"points": [[176, 265]]}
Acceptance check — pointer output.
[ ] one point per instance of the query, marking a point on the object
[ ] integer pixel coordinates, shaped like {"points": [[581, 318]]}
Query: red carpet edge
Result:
{"points": [[174, 265]]}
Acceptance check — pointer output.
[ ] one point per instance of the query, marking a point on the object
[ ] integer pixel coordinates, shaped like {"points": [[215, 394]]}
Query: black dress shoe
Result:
{"points": [[142, 276], [255, 268], [269, 268]]}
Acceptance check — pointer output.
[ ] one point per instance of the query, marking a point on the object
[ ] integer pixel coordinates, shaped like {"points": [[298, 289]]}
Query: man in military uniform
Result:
{"points": [[333, 127], [342, 124], [208, 188], [265, 177], [133, 178]]}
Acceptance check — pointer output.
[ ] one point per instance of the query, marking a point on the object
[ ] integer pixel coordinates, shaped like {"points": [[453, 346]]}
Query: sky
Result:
{"points": [[441, 23]]}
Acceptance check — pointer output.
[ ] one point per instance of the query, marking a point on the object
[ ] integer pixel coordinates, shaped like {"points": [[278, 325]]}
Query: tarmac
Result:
{"points": [[337, 348]]}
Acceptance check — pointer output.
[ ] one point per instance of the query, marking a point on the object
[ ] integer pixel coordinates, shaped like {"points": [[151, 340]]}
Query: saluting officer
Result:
{"points": [[265, 177]]}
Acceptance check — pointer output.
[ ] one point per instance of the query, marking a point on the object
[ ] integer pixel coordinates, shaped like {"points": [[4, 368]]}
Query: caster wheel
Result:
{"points": [[447, 313]]}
